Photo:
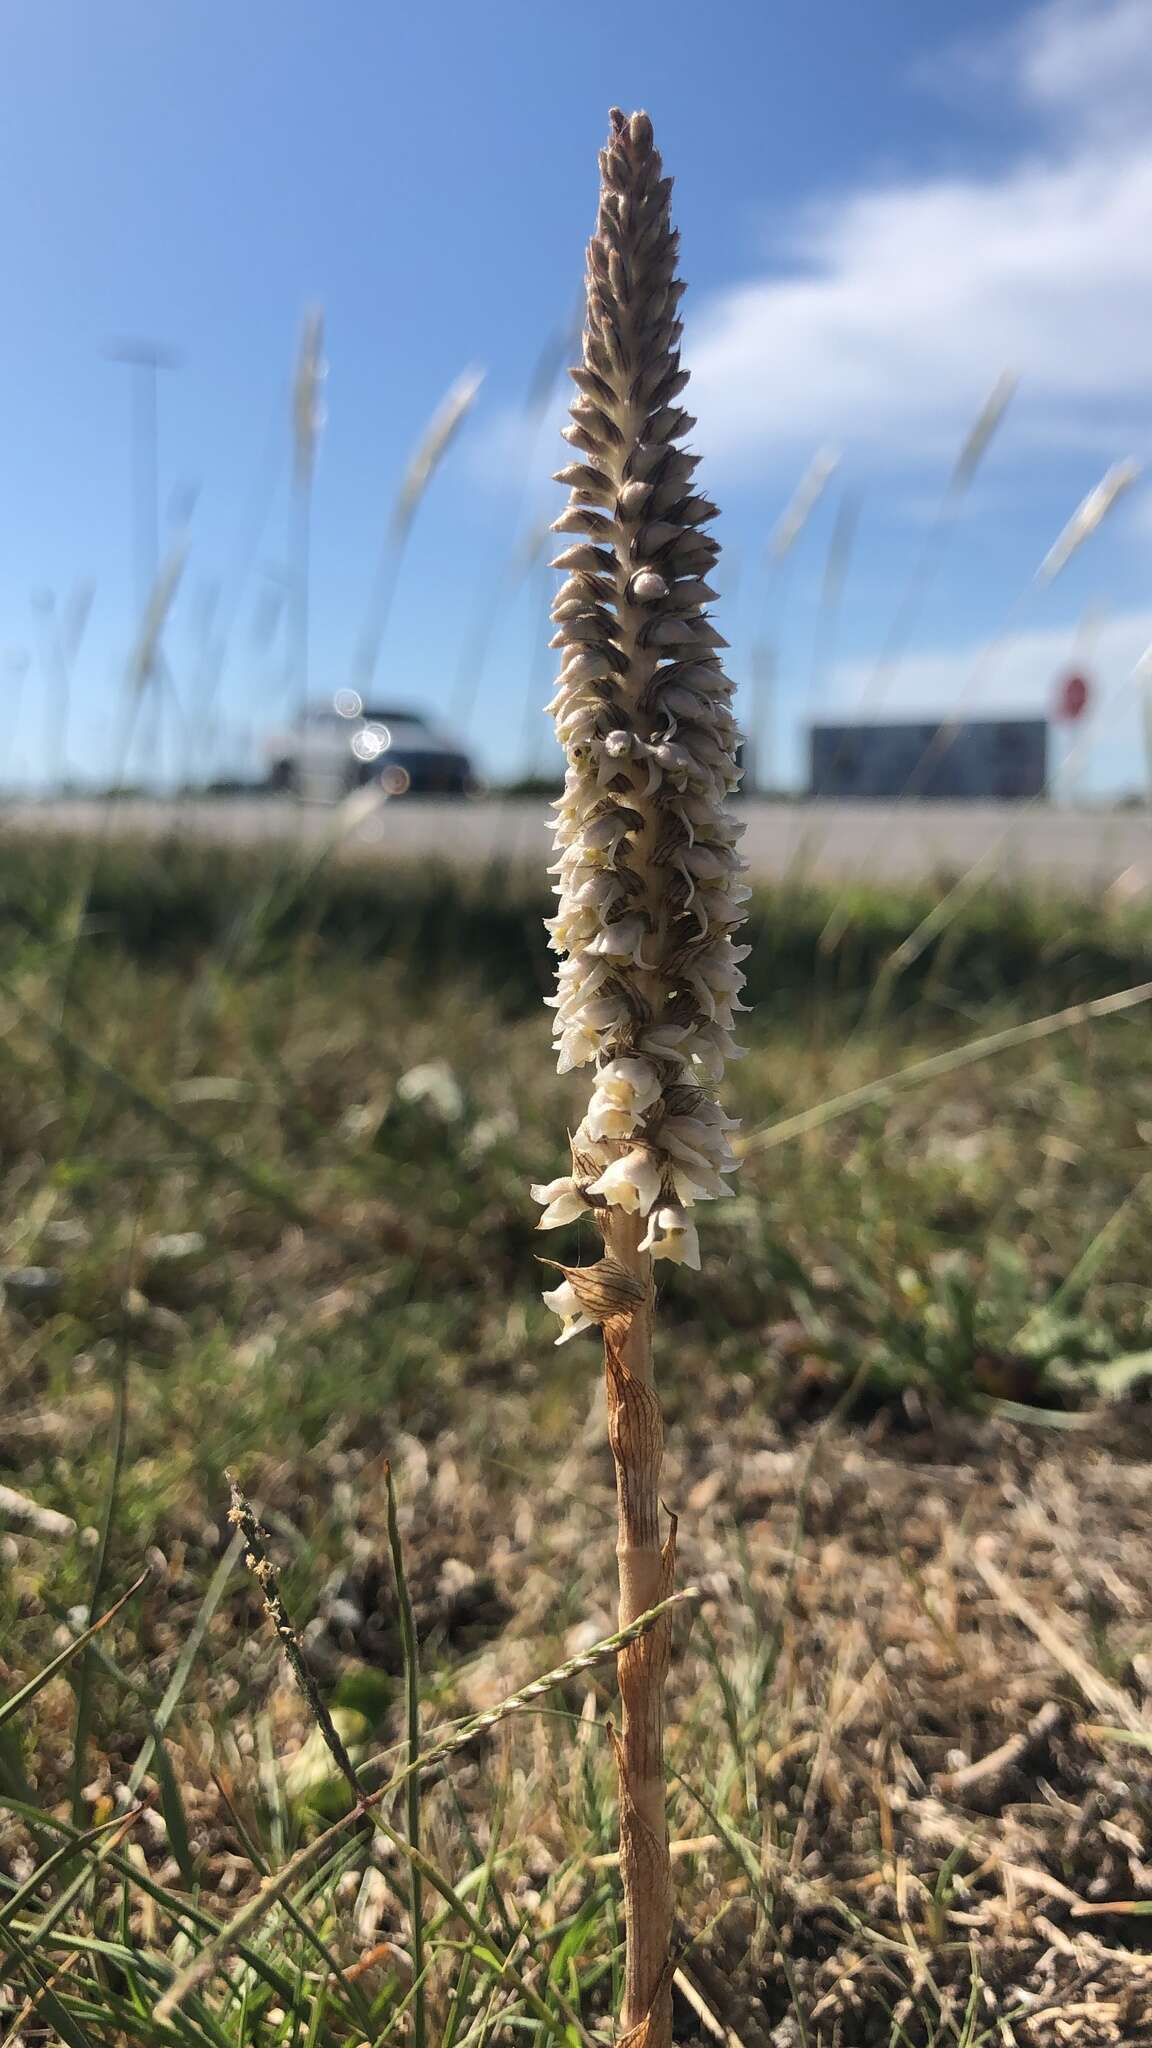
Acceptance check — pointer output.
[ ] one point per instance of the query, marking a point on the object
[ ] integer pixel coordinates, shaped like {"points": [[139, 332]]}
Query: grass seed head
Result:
{"points": [[1087, 517], [435, 442], [307, 408]]}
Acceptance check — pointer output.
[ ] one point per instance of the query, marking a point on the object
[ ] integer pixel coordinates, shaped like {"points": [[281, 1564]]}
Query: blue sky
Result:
{"points": [[882, 209]]}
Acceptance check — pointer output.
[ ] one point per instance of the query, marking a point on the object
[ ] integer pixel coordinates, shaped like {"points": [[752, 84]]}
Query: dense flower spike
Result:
{"points": [[649, 879]]}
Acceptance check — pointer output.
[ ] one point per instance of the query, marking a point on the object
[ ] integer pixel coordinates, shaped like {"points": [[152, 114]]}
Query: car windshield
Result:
{"points": [[376, 716], [403, 732], [404, 728]]}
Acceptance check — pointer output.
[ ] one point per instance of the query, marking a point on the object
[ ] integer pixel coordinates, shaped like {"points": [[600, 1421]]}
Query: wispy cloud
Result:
{"points": [[913, 296], [891, 310], [1090, 59]]}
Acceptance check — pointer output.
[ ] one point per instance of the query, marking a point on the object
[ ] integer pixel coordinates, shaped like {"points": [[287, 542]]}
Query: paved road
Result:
{"points": [[907, 841]]}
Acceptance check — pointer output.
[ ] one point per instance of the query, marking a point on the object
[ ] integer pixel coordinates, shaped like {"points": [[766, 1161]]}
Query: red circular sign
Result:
{"points": [[1073, 697]]}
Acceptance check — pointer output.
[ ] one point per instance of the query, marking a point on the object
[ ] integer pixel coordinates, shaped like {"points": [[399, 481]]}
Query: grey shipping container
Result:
{"points": [[1004, 758]]}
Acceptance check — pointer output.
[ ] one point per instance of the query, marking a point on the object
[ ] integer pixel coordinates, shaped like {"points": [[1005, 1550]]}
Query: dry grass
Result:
{"points": [[274, 1233]]}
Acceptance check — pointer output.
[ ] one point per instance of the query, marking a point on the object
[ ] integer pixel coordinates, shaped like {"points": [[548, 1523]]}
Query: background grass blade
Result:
{"points": [[412, 1787], [18, 1700]]}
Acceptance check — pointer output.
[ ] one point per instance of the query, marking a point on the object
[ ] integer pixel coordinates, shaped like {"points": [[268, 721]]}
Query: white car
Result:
{"points": [[338, 745]]}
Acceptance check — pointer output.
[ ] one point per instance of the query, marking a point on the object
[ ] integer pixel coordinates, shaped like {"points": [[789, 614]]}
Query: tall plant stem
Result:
{"points": [[646, 1568], [649, 897]]}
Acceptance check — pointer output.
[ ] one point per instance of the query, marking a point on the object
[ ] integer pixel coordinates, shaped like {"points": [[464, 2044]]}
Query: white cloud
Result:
{"points": [[891, 311], [1093, 60], [913, 297]]}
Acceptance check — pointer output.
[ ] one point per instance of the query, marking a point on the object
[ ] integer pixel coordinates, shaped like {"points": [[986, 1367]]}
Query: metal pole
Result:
{"points": [[146, 461], [16, 662], [763, 716]]}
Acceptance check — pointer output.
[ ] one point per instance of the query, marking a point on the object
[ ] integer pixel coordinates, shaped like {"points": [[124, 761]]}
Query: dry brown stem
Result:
{"points": [[646, 1569]]}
